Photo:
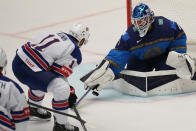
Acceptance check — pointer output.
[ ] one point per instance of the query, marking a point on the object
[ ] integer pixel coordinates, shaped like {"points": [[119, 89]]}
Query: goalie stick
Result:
{"points": [[62, 113]]}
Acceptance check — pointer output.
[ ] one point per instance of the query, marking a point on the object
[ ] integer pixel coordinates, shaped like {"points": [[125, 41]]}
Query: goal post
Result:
{"points": [[129, 12]]}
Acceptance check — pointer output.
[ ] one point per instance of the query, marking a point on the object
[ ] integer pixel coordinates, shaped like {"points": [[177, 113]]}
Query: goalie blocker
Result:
{"points": [[99, 77]]}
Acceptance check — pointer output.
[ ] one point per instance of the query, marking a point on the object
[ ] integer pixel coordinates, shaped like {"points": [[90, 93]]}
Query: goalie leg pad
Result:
{"points": [[184, 64]]}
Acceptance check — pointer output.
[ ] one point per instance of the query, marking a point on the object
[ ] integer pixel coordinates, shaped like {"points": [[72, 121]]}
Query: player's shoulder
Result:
{"points": [[56, 36], [62, 36], [66, 38], [9, 83], [132, 30], [66, 41], [76, 52], [165, 23], [130, 34], [69, 44]]}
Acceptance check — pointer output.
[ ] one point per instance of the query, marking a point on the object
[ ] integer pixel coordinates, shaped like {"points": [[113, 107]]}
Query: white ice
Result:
{"points": [[21, 20]]}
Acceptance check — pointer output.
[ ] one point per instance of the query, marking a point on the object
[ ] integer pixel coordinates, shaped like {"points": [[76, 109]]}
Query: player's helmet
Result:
{"points": [[142, 18], [80, 32], [3, 60]]}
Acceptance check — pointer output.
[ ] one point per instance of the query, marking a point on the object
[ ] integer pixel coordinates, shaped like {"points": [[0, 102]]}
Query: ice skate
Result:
{"points": [[62, 127], [39, 114]]}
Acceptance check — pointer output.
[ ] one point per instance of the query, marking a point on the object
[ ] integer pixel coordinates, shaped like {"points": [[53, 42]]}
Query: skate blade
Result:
{"points": [[34, 118]]}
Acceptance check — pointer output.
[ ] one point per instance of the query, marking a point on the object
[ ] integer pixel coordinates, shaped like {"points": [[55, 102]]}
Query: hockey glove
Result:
{"points": [[72, 97], [99, 77]]}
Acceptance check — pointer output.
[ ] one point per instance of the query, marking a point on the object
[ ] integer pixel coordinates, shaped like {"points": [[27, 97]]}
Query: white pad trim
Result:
{"points": [[144, 74]]}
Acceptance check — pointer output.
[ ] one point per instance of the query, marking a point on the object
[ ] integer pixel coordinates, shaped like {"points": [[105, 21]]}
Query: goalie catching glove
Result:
{"points": [[99, 77], [184, 64]]}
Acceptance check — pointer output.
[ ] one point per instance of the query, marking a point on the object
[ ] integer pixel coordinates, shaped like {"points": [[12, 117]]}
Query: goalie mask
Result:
{"points": [[142, 18], [3, 61], [80, 32]]}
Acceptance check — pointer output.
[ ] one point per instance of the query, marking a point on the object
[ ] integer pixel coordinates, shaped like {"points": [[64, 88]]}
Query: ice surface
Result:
{"points": [[111, 111]]}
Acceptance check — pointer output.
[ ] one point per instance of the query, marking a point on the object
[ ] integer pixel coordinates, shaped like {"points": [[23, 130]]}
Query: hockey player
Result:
{"points": [[14, 110], [143, 47], [44, 66]]}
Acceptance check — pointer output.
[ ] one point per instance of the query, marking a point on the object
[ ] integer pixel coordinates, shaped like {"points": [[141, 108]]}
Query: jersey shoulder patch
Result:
{"points": [[160, 21]]}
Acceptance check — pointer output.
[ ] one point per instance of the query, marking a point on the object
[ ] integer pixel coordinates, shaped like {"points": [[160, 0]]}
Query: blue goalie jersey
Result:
{"points": [[164, 36]]}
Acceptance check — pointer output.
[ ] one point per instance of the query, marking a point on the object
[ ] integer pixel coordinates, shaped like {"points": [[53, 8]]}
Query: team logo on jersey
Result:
{"points": [[152, 52], [29, 63], [160, 21]]}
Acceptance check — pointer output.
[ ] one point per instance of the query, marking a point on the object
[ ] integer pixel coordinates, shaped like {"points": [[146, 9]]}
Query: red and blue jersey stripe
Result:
{"points": [[35, 56], [60, 105], [6, 121], [61, 70], [33, 97], [20, 116]]}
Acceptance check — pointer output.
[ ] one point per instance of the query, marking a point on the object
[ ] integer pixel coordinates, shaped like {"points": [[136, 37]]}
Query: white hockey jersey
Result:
{"points": [[14, 109], [56, 52]]}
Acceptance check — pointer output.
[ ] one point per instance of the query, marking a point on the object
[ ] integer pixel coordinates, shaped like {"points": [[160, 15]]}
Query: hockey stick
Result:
{"points": [[82, 97], [62, 113], [78, 116]]}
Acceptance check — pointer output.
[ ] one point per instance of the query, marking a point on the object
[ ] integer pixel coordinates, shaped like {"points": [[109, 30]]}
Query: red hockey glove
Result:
{"points": [[72, 98]]}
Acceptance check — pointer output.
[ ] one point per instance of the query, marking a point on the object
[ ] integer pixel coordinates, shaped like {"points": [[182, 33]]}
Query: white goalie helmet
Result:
{"points": [[3, 60], [80, 32]]}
